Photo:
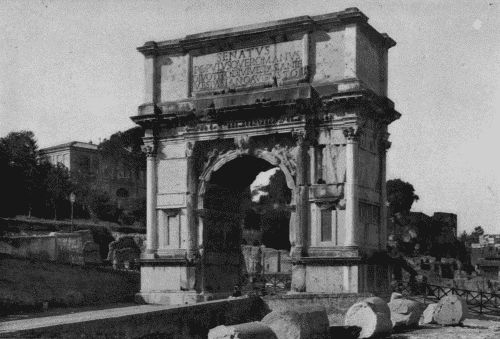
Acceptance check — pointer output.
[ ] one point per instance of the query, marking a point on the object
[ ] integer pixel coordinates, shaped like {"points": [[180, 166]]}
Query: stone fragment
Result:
{"points": [[396, 295], [307, 322], [253, 330], [372, 315], [428, 315], [405, 312], [451, 310]]}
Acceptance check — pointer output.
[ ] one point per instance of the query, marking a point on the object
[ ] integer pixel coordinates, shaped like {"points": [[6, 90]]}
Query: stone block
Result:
{"points": [[299, 323], [451, 310], [405, 312], [372, 315], [253, 330], [396, 295], [428, 315]]}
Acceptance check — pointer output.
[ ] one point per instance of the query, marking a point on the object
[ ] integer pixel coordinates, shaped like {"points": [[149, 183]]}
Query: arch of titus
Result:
{"points": [[306, 95]]}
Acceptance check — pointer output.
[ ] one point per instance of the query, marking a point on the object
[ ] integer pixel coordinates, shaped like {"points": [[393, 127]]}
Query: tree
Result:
{"points": [[476, 234], [18, 161], [400, 195], [125, 148], [274, 213], [57, 186]]}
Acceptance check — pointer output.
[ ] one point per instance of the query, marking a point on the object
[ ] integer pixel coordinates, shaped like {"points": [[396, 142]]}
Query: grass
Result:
{"points": [[26, 284]]}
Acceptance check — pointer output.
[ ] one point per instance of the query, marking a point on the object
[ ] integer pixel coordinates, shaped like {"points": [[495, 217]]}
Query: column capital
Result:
{"points": [[300, 137], [189, 149], [352, 134], [149, 150], [384, 144]]}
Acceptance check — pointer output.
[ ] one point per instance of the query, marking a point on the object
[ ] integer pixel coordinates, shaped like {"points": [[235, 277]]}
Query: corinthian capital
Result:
{"points": [[299, 137], [150, 150], [189, 149], [352, 134]]}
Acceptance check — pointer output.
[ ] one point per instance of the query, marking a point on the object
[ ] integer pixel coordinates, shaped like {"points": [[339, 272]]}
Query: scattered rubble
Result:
{"points": [[451, 310], [405, 313], [299, 323], [428, 315], [252, 330], [372, 315]]}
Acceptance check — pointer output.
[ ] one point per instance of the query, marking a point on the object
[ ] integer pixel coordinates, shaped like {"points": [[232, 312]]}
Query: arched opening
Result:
{"points": [[246, 219]]}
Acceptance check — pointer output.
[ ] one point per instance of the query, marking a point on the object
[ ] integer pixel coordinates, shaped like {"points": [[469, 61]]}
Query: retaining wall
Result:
{"points": [[190, 321]]}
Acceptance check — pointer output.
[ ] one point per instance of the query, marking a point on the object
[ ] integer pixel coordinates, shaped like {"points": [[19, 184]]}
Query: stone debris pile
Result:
{"points": [[369, 318]]}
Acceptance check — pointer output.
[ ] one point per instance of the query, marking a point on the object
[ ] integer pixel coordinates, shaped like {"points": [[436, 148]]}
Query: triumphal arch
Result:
{"points": [[307, 96]]}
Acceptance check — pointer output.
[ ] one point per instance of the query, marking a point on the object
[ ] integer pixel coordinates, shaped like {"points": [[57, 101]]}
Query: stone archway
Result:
{"points": [[225, 192], [324, 125]]}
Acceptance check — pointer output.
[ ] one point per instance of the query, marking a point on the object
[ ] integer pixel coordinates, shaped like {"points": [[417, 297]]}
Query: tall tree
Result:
{"points": [[58, 186], [18, 161], [400, 195], [125, 147]]}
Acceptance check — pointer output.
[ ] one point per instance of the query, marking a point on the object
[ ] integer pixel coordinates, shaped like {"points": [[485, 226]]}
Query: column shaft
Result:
{"points": [[352, 235], [191, 202], [151, 224], [383, 197], [302, 199]]}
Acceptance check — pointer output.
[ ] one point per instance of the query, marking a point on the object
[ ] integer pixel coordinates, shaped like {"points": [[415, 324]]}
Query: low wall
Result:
{"points": [[37, 247], [190, 321], [61, 247]]}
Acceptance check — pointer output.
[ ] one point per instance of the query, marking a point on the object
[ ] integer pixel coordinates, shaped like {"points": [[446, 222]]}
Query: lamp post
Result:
{"points": [[72, 199]]}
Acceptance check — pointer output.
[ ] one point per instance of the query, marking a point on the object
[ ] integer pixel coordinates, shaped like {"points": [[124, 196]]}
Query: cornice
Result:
{"points": [[273, 29]]}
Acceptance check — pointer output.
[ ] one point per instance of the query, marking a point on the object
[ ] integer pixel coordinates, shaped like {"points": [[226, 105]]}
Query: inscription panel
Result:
{"points": [[248, 67]]}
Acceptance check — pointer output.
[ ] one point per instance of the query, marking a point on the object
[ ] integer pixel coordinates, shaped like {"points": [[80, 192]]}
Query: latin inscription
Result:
{"points": [[262, 65]]}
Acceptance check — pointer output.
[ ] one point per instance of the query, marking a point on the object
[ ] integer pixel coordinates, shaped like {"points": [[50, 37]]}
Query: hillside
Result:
{"points": [[26, 284]]}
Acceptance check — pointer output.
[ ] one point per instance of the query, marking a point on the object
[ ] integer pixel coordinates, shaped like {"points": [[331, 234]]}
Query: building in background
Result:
{"points": [[125, 184], [81, 157]]}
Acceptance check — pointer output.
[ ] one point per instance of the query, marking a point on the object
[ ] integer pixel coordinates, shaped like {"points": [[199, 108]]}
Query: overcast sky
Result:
{"points": [[69, 70]]}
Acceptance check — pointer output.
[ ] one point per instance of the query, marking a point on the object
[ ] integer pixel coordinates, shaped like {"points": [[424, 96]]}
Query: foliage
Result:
{"points": [[400, 195], [102, 207], [271, 213], [475, 235], [276, 192], [57, 184], [124, 147], [18, 161], [33, 185]]}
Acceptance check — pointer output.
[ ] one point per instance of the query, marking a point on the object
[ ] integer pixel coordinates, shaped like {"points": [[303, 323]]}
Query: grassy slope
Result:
{"points": [[26, 284]]}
